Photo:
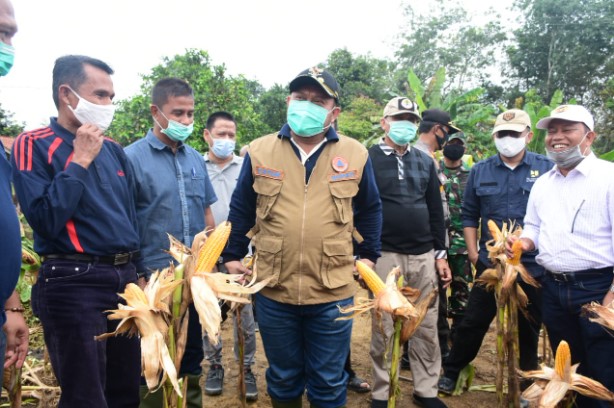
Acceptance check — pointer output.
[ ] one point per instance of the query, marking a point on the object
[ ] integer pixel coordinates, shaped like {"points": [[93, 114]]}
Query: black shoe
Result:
{"points": [[214, 383], [425, 402], [251, 388], [446, 385], [379, 404]]}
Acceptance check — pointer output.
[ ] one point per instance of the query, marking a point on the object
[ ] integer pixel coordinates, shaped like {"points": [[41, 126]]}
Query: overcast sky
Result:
{"points": [[266, 40]]}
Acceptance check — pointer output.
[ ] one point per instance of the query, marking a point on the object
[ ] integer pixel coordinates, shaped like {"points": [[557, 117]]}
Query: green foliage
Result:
{"points": [[8, 126], [466, 109], [213, 90], [271, 108], [361, 119], [359, 76], [564, 45], [447, 36]]}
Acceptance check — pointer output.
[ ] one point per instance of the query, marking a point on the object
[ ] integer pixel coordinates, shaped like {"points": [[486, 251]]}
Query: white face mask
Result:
{"points": [[88, 112], [510, 146]]}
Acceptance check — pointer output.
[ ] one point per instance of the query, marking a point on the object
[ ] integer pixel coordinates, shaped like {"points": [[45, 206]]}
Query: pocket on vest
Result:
{"points": [[268, 261], [268, 191], [337, 260], [342, 193]]}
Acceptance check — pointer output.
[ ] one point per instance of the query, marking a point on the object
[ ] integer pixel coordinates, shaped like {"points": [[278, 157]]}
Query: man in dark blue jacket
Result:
{"points": [[76, 189], [14, 336], [498, 189]]}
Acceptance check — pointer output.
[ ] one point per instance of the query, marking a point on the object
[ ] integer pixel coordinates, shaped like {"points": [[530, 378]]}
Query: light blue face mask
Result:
{"points": [[402, 132], [176, 131], [307, 119], [7, 57], [223, 148]]}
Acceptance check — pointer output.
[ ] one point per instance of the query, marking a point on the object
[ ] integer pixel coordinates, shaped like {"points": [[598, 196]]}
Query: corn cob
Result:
{"points": [[562, 361], [211, 250], [495, 232], [372, 279], [516, 253]]}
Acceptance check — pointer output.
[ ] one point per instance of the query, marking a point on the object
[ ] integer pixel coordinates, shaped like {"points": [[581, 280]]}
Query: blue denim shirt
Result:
{"points": [[496, 192], [172, 192]]}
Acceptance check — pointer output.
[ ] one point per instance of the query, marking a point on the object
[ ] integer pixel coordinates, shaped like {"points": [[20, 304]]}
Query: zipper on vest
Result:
{"points": [[300, 268]]}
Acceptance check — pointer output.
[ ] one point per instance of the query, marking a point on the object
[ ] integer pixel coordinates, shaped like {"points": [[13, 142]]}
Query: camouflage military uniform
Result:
{"points": [[456, 180]]}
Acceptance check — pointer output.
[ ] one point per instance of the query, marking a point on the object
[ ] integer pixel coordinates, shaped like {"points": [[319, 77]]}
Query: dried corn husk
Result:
{"points": [[147, 314], [604, 315], [552, 385]]}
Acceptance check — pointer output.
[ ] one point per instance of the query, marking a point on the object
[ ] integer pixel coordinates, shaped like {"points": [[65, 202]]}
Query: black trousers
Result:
{"points": [[481, 310]]}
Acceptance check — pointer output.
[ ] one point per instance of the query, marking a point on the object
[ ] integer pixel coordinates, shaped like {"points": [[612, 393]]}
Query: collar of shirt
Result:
{"points": [[525, 160], [235, 159], [60, 131], [584, 167], [156, 143], [389, 150]]}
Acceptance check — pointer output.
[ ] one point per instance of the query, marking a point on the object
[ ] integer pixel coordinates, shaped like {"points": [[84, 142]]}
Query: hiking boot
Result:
{"points": [[251, 388], [215, 380], [446, 385], [425, 402]]}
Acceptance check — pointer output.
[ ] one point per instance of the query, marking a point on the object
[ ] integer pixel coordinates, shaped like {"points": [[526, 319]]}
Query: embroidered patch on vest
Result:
{"points": [[340, 164], [269, 173], [348, 175]]}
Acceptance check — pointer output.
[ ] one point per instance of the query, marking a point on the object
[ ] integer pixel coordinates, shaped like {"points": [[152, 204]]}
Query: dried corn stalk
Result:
{"points": [[406, 315], [147, 314], [509, 295]]}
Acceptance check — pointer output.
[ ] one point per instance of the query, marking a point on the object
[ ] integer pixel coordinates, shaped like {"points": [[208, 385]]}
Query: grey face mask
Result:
{"points": [[568, 158]]}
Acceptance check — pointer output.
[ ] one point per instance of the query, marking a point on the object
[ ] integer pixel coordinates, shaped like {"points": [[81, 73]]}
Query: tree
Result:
{"points": [[564, 45], [448, 37], [359, 76], [271, 108], [361, 120], [213, 90], [8, 126]]}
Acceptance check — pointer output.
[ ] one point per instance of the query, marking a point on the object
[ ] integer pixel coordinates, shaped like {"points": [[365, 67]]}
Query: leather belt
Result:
{"points": [[578, 276], [116, 259]]}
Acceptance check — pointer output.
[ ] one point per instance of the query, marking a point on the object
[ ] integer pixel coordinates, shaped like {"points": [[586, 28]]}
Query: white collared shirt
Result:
{"points": [[571, 218]]}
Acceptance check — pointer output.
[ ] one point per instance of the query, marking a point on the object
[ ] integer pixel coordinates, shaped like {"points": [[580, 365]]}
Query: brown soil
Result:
{"points": [[485, 367]]}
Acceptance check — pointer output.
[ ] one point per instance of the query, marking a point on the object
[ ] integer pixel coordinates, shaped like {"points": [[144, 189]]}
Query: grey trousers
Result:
{"points": [[213, 354], [424, 354]]}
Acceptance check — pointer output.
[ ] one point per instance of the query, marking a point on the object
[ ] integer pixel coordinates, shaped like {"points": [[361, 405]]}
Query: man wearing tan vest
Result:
{"points": [[303, 195]]}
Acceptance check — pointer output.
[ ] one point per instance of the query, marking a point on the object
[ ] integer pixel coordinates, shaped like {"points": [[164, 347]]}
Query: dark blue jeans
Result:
{"points": [[591, 344], [306, 348], [70, 299]]}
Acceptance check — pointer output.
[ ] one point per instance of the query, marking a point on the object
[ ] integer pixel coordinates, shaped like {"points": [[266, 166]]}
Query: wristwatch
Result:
{"points": [[612, 288]]}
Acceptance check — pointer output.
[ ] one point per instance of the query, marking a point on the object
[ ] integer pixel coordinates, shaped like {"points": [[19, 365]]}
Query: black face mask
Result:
{"points": [[442, 140], [454, 152]]}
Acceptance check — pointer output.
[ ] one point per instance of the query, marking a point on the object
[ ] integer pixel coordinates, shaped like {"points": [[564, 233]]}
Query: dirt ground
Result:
{"points": [[485, 365]]}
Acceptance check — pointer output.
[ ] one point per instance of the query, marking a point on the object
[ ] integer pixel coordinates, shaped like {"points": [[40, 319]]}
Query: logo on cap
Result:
{"points": [[406, 104], [562, 108], [340, 164], [508, 116]]}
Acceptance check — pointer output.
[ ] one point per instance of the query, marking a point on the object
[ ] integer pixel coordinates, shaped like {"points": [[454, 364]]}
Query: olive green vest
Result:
{"points": [[303, 232]]}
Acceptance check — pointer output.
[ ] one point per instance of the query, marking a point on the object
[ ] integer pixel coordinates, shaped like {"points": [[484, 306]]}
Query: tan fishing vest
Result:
{"points": [[303, 232]]}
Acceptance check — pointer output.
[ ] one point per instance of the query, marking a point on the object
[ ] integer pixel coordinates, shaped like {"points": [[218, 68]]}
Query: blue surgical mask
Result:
{"points": [[307, 119], [176, 131], [223, 148], [402, 132], [7, 57]]}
